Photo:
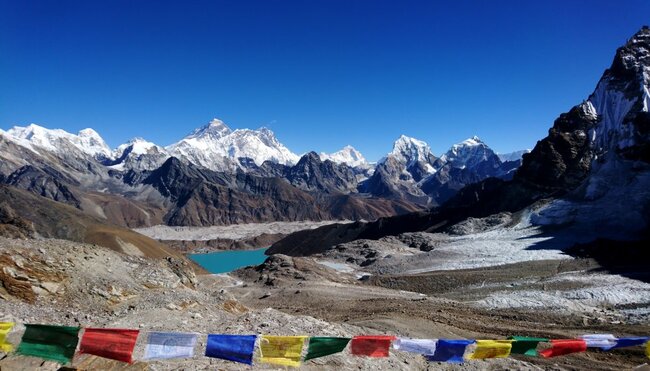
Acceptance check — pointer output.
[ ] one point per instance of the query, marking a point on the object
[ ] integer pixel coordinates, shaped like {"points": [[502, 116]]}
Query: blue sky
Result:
{"points": [[321, 74]]}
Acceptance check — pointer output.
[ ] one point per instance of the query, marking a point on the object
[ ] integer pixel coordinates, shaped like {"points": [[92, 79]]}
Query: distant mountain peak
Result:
{"points": [[411, 150], [87, 140], [214, 129], [217, 147], [468, 153], [347, 155]]}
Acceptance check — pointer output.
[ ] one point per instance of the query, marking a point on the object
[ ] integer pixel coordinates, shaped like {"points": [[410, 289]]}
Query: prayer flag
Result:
{"points": [[371, 346], [109, 343], [237, 348], [324, 346], [450, 351], [525, 345], [561, 347], [5, 328], [426, 347], [491, 349], [281, 350], [629, 342], [603, 341], [56, 343], [165, 345]]}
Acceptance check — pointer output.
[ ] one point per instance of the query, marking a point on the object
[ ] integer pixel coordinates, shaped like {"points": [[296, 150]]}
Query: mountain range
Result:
{"points": [[216, 175]]}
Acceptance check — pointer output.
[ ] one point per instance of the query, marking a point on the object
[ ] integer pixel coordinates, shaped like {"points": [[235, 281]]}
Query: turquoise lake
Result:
{"points": [[228, 261]]}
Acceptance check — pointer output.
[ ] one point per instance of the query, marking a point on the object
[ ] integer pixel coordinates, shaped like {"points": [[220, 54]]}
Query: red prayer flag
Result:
{"points": [[564, 346], [110, 343], [371, 346]]}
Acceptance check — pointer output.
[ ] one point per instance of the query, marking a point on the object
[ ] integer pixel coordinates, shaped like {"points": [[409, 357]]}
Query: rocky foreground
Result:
{"points": [[68, 283]]}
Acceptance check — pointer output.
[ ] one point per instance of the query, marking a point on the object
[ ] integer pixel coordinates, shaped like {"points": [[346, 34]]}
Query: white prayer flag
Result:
{"points": [[166, 345], [426, 347], [604, 341]]}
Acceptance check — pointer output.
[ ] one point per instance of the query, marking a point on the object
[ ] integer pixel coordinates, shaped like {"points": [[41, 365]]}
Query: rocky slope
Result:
{"points": [[49, 219]]}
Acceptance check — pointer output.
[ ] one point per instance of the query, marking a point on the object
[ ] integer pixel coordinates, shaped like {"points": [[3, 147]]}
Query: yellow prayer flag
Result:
{"points": [[5, 328], [281, 350], [491, 349]]}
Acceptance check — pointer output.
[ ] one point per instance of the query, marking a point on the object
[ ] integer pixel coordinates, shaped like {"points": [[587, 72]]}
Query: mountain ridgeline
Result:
{"points": [[217, 176]]}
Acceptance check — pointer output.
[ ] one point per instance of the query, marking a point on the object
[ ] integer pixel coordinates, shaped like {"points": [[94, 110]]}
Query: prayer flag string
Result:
{"points": [[58, 343]]}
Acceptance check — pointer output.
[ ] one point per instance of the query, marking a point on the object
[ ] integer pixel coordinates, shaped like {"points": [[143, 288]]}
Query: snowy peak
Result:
{"points": [[137, 146], [259, 145], [214, 130], [137, 154], [57, 140], [468, 153], [348, 155], [410, 150], [217, 147]]}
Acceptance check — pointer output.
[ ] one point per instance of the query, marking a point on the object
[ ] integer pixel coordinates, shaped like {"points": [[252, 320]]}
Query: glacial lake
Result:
{"points": [[230, 260]]}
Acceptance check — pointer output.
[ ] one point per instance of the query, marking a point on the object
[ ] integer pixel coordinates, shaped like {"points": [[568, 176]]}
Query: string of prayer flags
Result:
{"points": [[5, 328], [371, 346], [167, 345], [491, 349], [564, 346], [55, 343], [629, 342], [236, 348], [425, 347], [450, 351], [602, 341], [525, 345], [281, 350], [324, 346], [117, 344]]}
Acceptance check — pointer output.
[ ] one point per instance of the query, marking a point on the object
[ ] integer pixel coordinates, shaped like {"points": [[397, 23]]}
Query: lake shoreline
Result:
{"points": [[226, 261]]}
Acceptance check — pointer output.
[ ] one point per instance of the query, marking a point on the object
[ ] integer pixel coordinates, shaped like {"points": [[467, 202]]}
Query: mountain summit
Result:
{"points": [[347, 155], [216, 147]]}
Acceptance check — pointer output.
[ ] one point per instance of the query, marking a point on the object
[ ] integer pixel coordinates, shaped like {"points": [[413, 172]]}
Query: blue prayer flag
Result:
{"points": [[237, 348], [628, 342], [450, 351]]}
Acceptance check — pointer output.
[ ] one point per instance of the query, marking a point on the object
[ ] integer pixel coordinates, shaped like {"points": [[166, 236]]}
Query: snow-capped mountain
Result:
{"points": [[215, 146], [411, 152], [347, 155], [512, 156], [468, 153], [137, 154], [57, 140]]}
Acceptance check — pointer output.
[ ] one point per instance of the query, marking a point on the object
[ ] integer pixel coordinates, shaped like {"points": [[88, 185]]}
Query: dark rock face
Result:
{"points": [[562, 159], [312, 174], [392, 180], [45, 182], [203, 197]]}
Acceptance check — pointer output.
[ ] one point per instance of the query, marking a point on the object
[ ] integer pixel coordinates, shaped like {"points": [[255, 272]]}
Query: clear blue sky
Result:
{"points": [[321, 74]]}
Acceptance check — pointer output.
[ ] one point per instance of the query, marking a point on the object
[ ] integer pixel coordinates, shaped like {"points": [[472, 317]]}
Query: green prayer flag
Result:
{"points": [[525, 345], [324, 346], [56, 343]]}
